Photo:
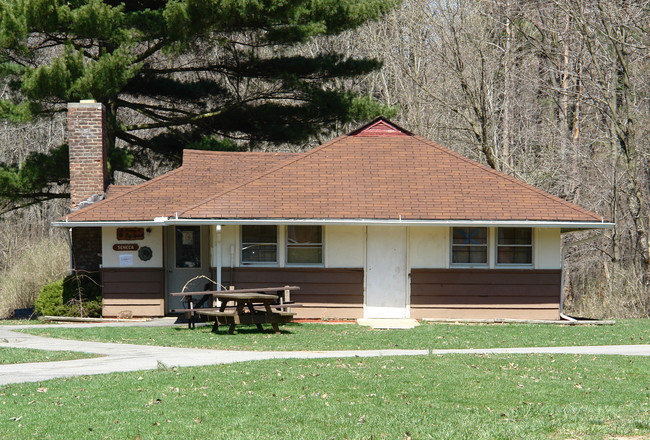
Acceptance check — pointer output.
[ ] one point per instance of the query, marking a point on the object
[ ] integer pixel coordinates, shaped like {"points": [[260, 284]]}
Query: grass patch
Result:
{"points": [[10, 355], [439, 397], [353, 337]]}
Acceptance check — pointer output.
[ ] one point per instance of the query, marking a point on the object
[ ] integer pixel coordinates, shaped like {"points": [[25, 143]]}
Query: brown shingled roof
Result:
{"points": [[379, 172], [203, 174]]}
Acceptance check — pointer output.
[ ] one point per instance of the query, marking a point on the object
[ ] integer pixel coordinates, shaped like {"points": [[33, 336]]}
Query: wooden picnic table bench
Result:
{"points": [[232, 318], [245, 311], [237, 313]]}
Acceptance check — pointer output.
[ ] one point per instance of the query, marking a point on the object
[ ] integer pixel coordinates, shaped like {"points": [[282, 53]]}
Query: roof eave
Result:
{"points": [[566, 226], [107, 223]]}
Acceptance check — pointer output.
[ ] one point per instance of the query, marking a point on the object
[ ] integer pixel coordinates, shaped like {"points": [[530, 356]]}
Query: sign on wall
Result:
{"points": [[188, 238], [126, 260], [130, 234], [126, 247]]}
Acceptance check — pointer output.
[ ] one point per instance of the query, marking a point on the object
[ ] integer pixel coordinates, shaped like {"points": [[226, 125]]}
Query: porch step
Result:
{"points": [[388, 323]]}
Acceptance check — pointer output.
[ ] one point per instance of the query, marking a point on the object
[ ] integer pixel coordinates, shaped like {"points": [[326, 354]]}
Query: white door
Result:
{"points": [[386, 276], [188, 256]]}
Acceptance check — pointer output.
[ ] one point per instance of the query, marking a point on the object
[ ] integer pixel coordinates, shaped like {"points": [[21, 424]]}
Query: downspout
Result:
{"points": [[564, 249], [68, 238], [218, 257], [231, 284]]}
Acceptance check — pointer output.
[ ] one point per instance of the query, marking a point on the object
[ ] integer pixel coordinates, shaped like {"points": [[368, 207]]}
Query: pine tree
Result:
{"points": [[212, 74]]}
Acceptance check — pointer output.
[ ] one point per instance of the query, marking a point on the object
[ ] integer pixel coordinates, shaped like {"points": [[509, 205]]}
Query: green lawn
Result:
{"points": [[351, 336], [440, 397], [10, 355]]}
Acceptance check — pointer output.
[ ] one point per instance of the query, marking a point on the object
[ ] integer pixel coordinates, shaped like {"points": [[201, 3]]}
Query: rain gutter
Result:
{"points": [[165, 221], [68, 238]]}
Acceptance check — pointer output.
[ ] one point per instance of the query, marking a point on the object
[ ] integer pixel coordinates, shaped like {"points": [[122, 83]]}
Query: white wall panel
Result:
{"points": [[344, 246], [548, 248], [153, 239], [229, 245], [429, 247]]}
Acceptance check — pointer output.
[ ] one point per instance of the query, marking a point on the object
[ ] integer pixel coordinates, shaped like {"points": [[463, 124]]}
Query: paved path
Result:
{"points": [[128, 357]]}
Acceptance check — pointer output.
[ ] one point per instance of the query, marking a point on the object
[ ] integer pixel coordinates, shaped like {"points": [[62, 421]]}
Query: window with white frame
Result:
{"points": [[304, 244], [469, 246], [259, 244], [514, 246]]}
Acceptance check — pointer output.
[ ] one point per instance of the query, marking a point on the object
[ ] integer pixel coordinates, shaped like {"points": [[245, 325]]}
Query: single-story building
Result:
{"points": [[378, 223]]}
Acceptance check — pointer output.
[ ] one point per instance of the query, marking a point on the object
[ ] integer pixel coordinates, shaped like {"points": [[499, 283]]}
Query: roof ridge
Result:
{"points": [[247, 153], [125, 193], [271, 171], [509, 177]]}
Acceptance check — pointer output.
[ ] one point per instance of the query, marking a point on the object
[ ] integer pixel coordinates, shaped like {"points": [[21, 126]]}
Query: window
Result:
{"points": [[188, 246], [515, 246], [259, 244], [469, 246], [305, 245]]}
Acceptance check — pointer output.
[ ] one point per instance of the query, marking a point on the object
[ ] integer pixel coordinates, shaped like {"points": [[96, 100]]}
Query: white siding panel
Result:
{"points": [[153, 239], [547, 244], [229, 245], [344, 246], [429, 247]]}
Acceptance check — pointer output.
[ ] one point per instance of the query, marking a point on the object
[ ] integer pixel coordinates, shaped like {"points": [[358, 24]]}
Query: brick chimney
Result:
{"points": [[88, 151]]}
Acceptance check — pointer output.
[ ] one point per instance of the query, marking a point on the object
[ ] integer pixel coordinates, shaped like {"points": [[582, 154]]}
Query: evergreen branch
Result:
{"points": [[198, 118], [211, 68], [149, 114], [132, 139], [173, 122], [150, 51], [35, 199], [137, 106], [136, 174], [59, 41], [47, 43]]}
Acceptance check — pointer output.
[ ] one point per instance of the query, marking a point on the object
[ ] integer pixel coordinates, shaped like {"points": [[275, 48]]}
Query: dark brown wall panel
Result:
{"points": [[133, 275], [87, 248], [324, 292], [139, 291], [437, 289], [486, 276], [493, 293]]}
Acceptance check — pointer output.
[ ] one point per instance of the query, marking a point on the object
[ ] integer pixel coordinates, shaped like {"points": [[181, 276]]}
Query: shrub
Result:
{"points": [[76, 295], [50, 299]]}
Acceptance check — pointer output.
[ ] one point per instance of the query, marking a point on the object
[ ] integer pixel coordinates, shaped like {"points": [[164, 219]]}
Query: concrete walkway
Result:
{"points": [[128, 357]]}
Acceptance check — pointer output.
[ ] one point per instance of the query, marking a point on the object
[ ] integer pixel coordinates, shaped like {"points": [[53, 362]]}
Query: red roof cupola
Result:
{"points": [[380, 126]]}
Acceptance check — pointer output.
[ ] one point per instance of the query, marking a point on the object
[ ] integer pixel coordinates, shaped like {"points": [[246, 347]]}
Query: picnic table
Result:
{"points": [[243, 311], [246, 313]]}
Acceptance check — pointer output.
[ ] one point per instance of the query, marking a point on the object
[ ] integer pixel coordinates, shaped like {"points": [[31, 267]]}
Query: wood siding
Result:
{"points": [[324, 293], [139, 292], [485, 294]]}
